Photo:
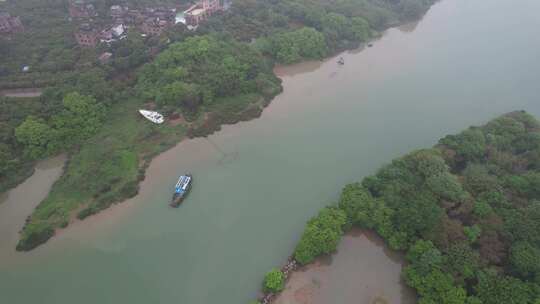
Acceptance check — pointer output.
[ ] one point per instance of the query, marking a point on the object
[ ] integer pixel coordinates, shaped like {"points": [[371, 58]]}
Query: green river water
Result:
{"points": [[257, 182]]}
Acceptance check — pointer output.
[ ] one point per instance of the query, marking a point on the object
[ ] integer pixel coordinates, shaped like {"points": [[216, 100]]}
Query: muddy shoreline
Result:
{"points": [[18, 203], [373, 279]]}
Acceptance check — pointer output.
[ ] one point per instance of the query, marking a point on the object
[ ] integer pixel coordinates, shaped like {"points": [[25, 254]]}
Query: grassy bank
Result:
{"points": [[108, 168], [465, 211]]}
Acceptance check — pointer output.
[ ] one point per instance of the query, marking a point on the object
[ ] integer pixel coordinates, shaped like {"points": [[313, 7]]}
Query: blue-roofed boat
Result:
{"points": [[181, 189]]}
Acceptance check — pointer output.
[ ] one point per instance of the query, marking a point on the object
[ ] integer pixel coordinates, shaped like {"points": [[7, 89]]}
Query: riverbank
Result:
{"points": [[362, 270], [127, 155], [17, 204], [100, 175]]}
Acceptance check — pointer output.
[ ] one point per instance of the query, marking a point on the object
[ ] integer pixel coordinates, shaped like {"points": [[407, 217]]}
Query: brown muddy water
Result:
{"points": [[363, 270], [18, 203]]}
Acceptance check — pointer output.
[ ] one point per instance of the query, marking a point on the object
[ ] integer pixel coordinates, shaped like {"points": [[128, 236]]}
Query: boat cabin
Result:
{"points": [[182, 184]]}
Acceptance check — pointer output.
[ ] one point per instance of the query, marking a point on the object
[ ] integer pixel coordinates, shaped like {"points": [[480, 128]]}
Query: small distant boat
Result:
{"points": [[341, 61], [154, 117], [181, 190]]}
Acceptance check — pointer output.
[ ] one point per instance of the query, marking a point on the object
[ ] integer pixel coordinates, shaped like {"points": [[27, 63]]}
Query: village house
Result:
{"points": [[10, 24], [134, 16], [162, 13], [201, 11], [157, 20], [150, 21], [105, 58], [123, 15], [81, 9], [87, 36], [113, 33], [154, 26]]}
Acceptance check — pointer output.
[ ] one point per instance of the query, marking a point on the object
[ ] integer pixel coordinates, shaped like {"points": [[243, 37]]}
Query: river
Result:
{"points": [[257, 182]]}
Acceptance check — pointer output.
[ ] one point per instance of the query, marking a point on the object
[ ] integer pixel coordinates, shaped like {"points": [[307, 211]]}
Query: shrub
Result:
{"points": [[274, 280], [321, 235]]}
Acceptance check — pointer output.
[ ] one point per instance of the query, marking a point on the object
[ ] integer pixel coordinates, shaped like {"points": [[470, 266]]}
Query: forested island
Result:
{"points": [[220, 73], [466, 213]]}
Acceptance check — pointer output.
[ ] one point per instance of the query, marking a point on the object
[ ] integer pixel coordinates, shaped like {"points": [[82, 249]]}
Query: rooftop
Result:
{"points": [[197, 11]]}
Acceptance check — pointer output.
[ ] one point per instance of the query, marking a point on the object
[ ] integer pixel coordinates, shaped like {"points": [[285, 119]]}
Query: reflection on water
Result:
{"points": [[363, 270]]}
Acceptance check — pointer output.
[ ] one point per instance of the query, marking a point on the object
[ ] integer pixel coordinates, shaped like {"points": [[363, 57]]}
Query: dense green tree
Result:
{"points": [[493, 289], [81, 118], [7, 161], [36, 136], [354, 199], [181, 95], [469, 145], [435, 287], [462, 261], [203, 69], [360, 29], [336, 25], [523, 224], [478, 179], [446, 186], [494, 198], [321, 235], [304, 43], [525, 258]]}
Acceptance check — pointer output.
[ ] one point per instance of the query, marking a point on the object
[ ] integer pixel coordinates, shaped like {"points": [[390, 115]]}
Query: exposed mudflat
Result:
{"points": [[362, 270]]}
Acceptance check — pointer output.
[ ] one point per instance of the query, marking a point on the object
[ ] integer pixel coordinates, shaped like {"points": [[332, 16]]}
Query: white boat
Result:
{"points": [[154, 117]]}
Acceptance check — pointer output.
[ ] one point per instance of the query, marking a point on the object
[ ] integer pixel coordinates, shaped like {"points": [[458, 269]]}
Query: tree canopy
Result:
{"points": [[201, 70], [80, 118], [466, 213]]}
